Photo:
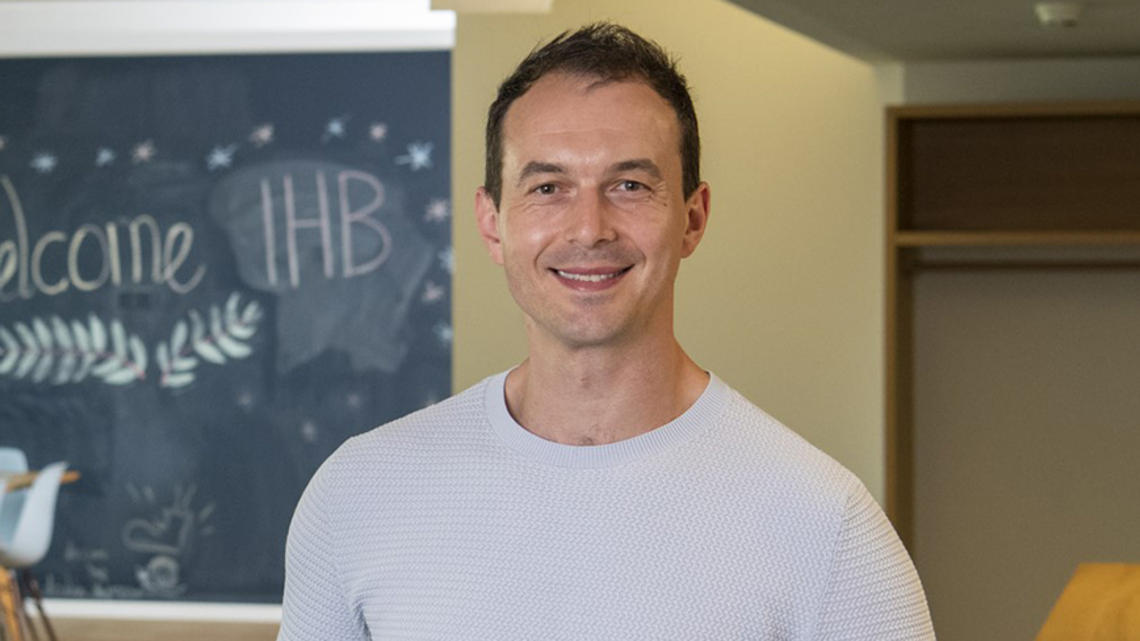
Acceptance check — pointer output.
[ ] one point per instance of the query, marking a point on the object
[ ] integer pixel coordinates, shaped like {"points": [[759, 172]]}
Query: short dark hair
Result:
{"points": [[610, 53]]}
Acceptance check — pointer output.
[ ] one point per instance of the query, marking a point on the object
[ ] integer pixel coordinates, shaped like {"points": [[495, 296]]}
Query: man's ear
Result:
{"points": [[487, 217], [696, 219]]}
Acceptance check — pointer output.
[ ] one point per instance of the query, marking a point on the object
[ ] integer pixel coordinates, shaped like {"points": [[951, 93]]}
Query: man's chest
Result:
{"points": [[521, 570]]}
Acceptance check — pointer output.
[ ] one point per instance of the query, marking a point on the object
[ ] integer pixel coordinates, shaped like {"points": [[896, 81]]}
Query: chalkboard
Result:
{"points": [[214, 270]]}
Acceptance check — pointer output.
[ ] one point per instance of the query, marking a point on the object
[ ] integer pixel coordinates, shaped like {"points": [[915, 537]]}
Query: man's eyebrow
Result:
{"points": [[534, 167], [638, 164]]}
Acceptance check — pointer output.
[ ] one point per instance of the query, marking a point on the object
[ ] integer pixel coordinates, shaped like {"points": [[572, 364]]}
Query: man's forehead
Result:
{"points": [[559, 103]]}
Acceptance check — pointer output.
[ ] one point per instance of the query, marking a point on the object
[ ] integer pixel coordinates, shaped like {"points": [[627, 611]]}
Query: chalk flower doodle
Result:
{"points": [[160, 577], [226, 338], [73, 351]]}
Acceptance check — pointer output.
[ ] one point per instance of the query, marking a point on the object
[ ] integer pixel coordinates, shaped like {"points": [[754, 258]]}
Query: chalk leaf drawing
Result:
{"points": [[56, 351], [69, 352], [225, 337]]}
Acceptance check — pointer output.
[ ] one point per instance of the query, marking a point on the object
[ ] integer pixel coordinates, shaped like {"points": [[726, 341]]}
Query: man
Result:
{"points": [[607, 487]]}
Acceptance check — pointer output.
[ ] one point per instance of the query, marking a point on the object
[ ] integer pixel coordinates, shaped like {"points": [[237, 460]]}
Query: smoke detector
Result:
{"points": [[1058, 14]]}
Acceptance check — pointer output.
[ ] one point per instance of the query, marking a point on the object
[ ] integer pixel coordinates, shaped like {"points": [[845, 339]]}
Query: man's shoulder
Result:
{"points": [[367, 468], [779, 455]]}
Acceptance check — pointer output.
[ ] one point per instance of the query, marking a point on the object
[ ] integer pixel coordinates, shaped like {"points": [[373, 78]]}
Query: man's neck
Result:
{"points": [[598, 396]]}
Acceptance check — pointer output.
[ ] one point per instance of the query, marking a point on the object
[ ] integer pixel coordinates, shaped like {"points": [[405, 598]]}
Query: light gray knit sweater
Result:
{"points": [[455, 523]]}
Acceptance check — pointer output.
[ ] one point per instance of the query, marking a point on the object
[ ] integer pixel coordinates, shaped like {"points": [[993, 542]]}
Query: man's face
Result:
{"points": [[592, 222]]}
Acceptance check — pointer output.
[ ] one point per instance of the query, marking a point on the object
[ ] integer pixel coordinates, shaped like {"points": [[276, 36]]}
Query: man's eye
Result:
{"points": [[546, 190], [630, 185]]}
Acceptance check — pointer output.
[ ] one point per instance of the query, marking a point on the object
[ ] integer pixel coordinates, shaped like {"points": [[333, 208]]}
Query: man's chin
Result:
{"points": [[592, 336]]}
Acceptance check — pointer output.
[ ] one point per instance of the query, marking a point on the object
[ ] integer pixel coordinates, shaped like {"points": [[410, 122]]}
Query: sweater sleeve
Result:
{"points": [[314, 606], [874, 592]]}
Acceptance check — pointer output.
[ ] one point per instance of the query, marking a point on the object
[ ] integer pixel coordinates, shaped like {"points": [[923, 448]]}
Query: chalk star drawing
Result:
{"points": [[3, 143], [44, 162], [261, 135], [447, 260], [335, 128], [432, 292], [245, 400], [104, 157], [378, 131], [418, 156], [220, 157], [444, 333], [309, 431], [437, 210], [143, 152]]}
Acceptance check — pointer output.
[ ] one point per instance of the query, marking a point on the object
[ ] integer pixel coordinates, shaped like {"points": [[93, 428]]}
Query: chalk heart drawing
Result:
{"points": [[165, 535]]}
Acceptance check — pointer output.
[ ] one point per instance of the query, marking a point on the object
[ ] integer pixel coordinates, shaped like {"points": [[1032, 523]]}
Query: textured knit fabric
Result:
{"points": [[455, 523]]}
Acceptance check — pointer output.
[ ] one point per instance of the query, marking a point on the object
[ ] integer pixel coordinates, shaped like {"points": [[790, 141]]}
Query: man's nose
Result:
{"points": [[591, 221]]}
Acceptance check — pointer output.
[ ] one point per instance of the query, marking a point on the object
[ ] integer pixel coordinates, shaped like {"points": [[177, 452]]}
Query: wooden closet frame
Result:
{"points": [[903, 246]]}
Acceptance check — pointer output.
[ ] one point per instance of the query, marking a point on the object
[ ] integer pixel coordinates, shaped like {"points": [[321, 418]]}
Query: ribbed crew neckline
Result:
{"points": [[694, 420]]}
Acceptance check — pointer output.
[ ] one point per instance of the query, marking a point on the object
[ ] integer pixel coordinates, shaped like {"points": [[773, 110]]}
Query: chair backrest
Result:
{"points": [[12, 460], [25, 532]]}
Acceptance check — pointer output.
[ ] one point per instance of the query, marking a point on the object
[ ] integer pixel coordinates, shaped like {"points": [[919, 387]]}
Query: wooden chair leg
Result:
{"points": [[33, 589], [26, 627], [9, 602], [5, 630]]}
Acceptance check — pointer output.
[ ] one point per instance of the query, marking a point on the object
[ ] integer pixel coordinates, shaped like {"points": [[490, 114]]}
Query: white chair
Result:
{"points": [[27, 516], [12, 461]]}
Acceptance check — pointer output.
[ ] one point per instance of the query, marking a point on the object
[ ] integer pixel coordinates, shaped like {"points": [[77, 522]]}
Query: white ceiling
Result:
{"points": [[913, 30]]}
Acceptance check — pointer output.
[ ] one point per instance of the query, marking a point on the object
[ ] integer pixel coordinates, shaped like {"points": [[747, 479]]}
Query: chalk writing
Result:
{"points": [[352, 218], [23, 260]]}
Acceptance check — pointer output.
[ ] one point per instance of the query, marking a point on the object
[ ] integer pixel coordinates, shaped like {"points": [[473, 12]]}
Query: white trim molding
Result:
{"points": [[163, 611], [141, 27]]}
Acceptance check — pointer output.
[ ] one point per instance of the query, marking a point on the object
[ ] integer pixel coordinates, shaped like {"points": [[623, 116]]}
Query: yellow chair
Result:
{"points": [[1100, 603]]}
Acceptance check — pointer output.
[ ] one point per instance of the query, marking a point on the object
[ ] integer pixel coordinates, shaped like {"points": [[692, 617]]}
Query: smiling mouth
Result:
{"points": [[591, 276]]}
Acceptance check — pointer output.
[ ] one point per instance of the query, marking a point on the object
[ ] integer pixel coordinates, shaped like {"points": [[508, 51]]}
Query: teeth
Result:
{"points": [[589, 278]]}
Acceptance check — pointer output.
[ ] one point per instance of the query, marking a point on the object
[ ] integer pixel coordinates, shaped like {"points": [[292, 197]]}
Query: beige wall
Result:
{"points": [[783, 299]]}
